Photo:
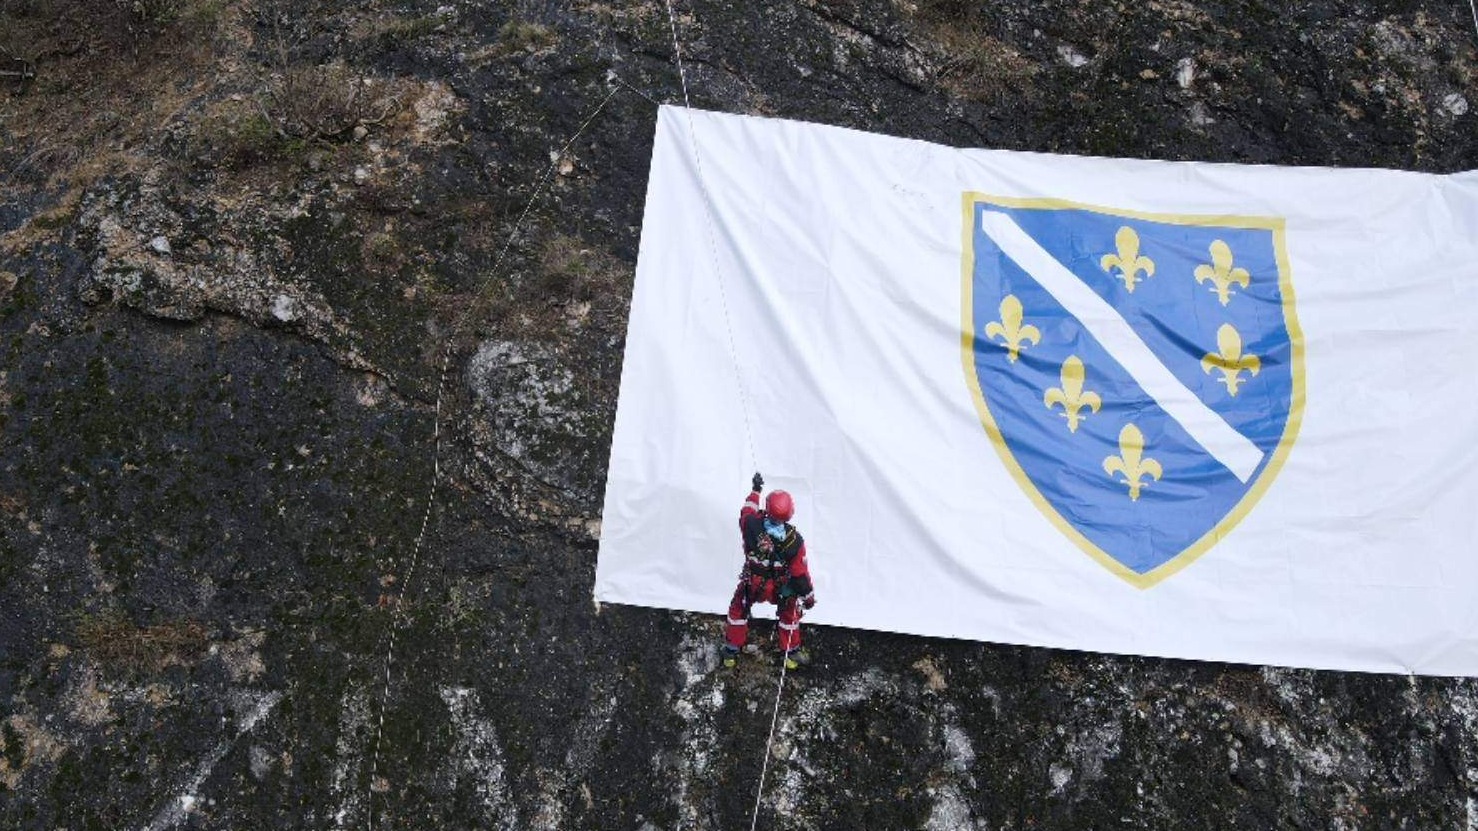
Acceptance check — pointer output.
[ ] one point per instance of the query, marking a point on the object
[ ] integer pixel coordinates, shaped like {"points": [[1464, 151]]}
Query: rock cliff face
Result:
{"points": [[239, 242]]}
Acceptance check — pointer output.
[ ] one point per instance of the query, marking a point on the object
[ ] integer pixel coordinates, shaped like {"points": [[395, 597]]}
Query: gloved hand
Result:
{"points": [[758, 482], [809, 601]]}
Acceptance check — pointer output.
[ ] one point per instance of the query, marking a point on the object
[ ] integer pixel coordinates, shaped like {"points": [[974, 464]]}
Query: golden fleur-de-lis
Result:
{"points": [[1071, 395], [1229, 359], [1221, 273], [1010, 330], [1127, 260], [1131, 461]]}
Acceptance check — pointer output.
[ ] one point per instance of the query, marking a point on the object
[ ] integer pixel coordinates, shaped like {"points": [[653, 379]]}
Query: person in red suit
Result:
{"points": [[775, 571]]}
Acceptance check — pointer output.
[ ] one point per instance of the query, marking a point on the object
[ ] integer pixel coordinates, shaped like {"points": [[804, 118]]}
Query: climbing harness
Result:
{"points": [[776, 564]]}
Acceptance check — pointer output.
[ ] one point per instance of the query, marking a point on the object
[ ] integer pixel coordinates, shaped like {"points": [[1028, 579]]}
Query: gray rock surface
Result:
{"points": [[236, 242]]}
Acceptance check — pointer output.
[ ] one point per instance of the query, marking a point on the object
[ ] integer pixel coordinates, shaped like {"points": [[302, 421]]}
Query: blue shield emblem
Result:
{"points": [[1141, 375]]}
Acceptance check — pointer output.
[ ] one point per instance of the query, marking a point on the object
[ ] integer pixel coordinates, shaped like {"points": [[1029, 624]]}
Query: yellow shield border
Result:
{"points": [[1296, 403]]}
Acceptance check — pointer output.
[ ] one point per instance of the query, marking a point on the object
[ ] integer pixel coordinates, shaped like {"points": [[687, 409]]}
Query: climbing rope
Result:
{"points": [[712, 243], [759, 791], [677, 51], [738, 374], [398, 609], [544, 182]]}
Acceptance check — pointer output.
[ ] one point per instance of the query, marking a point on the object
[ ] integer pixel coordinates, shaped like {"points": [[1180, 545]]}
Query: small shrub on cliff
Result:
{"points": [[571, 280], [326, 103], [567, 270], [237, 135], [521, 36], [153, 12], [399, 32]]}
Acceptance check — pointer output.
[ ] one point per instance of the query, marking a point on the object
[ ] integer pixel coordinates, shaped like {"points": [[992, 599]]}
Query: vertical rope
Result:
{"points": [[677, 50], [544, 182], [765, 766], [712, 242], [738, 370], [1473, 7], [399, 613]]}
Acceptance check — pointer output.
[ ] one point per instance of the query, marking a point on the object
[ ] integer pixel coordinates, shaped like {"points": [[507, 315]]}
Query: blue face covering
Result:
{"points": [[775, 529]]}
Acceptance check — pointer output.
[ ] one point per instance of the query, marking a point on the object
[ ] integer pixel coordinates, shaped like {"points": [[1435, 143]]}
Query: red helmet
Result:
{"points": [[779, 506]]}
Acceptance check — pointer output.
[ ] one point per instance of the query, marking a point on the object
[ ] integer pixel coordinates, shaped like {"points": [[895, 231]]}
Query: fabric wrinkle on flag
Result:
{"points": [[1187, 410]]}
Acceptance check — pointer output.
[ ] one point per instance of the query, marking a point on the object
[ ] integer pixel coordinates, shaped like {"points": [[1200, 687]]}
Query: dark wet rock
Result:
{"points": [[249, 251]]}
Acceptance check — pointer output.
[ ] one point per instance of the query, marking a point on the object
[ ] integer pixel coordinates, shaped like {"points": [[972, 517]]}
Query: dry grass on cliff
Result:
{"points": [[114, 640], [568, 284], [107, 75], [111, 75], [968, 60]]}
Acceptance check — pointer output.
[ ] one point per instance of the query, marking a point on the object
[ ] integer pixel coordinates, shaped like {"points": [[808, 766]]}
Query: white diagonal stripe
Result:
{"points": [[1104, 323]]}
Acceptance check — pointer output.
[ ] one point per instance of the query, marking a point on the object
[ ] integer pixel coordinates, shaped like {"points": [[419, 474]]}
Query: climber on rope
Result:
{"points": [[775, 571]]}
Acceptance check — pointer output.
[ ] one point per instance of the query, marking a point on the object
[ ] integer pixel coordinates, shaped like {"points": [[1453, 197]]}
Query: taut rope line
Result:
{"points": [[446, 356], [738, 370], [544, 182], [723, 294], [759, 791], [398, 610]]}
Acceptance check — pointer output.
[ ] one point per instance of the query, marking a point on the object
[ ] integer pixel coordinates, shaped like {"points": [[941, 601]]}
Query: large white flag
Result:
{"points": [[1188, 410]]}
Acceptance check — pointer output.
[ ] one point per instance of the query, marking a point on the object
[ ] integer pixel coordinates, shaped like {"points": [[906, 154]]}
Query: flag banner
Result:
{"points": [[1207, 411]]}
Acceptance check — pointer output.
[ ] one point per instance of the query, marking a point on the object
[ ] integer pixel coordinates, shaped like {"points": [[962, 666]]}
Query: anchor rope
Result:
{"points": [[544, 183], [723, 294], [759, 791], [677, 51], [436, 432], [398, 609]]}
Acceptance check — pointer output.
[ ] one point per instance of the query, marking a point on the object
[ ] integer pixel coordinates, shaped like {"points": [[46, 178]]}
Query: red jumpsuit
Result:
{"points": [[774, 572]]}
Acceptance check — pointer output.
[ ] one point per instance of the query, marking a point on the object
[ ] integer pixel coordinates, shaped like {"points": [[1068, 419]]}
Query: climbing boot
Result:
{"points": [[797, 658], [729, 655]]}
